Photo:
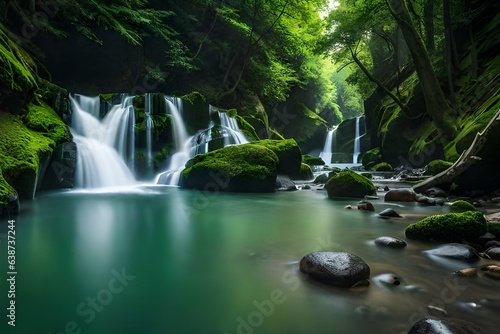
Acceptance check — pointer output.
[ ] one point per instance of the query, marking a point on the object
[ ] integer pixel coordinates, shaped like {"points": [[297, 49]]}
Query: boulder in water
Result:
{"points": [[443, 326], [322, 178], [455, 251], [284, 183], [389, 213], [494, 253], [288, 153], [241, 168], [449, 227], [400, 195], [390, 242], [349, 184], [336, 268], [366, 206]]}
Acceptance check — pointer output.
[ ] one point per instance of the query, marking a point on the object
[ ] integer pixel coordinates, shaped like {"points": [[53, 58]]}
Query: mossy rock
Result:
{"points": [[437, 166], [382, 167], [494, 228], [371, 157], [9, 200], [5, 190], [449, 227], [247, 129], [43, 119], [312, 161], [289, 155], [241, 168], [306, 173], [369, 176], [463, 206], [349, 184]]}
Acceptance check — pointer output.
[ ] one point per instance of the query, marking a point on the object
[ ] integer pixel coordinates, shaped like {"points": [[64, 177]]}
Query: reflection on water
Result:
{"points": [[224, 263]]}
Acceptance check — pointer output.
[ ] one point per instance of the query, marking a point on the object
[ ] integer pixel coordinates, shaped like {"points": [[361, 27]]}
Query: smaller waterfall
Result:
{"points": [[149, 131], [103, 146], [357, 137], [327, 152], [91, 104]]}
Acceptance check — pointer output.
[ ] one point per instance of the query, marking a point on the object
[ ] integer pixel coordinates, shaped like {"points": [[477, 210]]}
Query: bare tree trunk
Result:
{"points": [[437, 106], [467, 159], [448, 38], [429, 25]]}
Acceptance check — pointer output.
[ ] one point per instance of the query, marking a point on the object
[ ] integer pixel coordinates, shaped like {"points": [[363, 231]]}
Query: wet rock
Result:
{"points": [[390, 242], [387, 280], [371, 197], [389, 213], [443, 326], [322, 178], [400, 195], [348, 207], [492, 243], [436, 311], [494, 253], [422, 199], [11, 207], [335, 268], [468, 272], [491, 270], [485, 238], [455, 251], [436, 201], [306, 187], [366, 206], [386, 188], [435, 192], [284, 183]]}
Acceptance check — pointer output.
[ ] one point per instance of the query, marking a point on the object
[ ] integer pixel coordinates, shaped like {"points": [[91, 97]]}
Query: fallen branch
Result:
{"points": [[467, 159]]}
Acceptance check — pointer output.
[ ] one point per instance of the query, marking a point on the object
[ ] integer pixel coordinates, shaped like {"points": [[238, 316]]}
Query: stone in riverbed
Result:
{"points": [[455, 251], [467, 272], [366, 206], [491, 270], [336, 268], [443, 326], [494, 253], [389, 213], [390, 242], [400, 195]]}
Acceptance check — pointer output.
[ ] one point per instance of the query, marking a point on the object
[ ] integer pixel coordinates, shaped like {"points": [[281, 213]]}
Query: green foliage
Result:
{"points": [[161, 156], [306, 172], [437, 166], [194, 97], [382, 167], [43, 119], [247, 129], [349, 184], [312, 161], [463, 206], [5, 190], [449, 227]]}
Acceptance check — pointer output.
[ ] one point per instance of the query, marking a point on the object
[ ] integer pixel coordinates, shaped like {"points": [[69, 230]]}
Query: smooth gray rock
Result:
{"points": [[435, 192], [390, 242], [389, 213], [400, 195], [443, 326], [455, 251], [335, 268], [493, 253]]}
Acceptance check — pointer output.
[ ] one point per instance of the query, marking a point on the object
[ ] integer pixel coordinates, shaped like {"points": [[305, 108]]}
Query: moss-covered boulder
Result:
{"points": [[382, 167], [371, 157], [437, 166], [289, 155], [449, 227], [306, 173], [463, 206], [241, 168], [9, 200], [349, 184], [312, 161]]}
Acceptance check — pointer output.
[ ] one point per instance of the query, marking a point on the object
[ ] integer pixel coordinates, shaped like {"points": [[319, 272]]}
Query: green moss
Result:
{"points": [[349, 184], [5, 189], [305, 172], [289, 155], [194, 97], [437, 166], [247, 129], [243, 168], [382, 167], [232, 112], [312, 161], [494, 228], [369, 176], [43, 119], [449, 227], [371, 157], [107, 97], [161, 156], [463, 206]]}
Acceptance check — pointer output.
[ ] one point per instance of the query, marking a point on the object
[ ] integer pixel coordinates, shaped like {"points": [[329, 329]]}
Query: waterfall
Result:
{"points": [[149, 131], [181, 141], [327, 152], [103, 146], [91, 104], [222, 131], [357, 137]]}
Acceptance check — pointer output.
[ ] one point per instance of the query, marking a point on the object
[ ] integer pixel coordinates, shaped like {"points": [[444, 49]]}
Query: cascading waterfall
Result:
{"points": [[149, 131], [357, 137], [91, 104], [99, 163], [181, 141], [327, 152]]}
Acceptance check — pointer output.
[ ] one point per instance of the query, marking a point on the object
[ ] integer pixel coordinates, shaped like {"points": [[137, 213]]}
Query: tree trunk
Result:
{"points": [[467, 159], [437, 106], [448, 39], [429, 25]]}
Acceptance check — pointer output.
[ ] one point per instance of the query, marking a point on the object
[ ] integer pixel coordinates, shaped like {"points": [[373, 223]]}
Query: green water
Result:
{"points": [[166, 260]]}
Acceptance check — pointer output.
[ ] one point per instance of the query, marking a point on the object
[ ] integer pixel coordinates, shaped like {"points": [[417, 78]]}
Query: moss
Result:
{"points": [[494, 228], [449, 227], [382, 167], [312, 161], [107, 97], [369, 176], [194, 97], [437, 166], [21, 151], [232, 112], [247, 129], [161, 156], [43, 119], [139, 103], [241, 168], [5, 189], [349, 184], [305, 172], [371, 157], [289, 155], [463, 206]]}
